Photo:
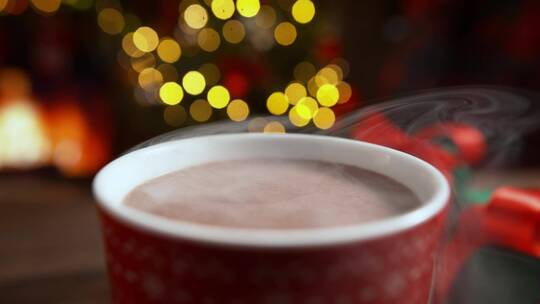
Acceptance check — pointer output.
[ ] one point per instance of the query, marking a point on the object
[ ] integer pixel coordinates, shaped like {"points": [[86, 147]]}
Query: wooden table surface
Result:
{"points": [[51, 250]]}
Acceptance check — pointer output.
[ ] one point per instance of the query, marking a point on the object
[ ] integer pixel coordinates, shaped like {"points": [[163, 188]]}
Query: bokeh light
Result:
{"points": [[312, 87], [171, 93], [169, 50], [248, 8], [262, 40], [238, 110], [168, 72], [295, 91], [208, 39], [211, 73], [285, 33], [327, 95], [200, 110], [327, 75], [257, 124], [343, 64], [111, 21], [45, 6], [193, 82], [174, 116], [129, 47], [298, 118], [307, 107], [337, 69], [274, 127], [233, 31], [150, 78], [195, 16], [345, 92], [141, 63], [223, 9], [303, 11], [218, 97], [145, 39], [324, 118], [304, 71], [277, 103], [3, 4], [266, 17]]}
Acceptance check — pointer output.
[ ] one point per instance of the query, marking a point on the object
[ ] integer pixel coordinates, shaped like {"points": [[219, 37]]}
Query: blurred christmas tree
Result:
{"points": [[206, 60]]}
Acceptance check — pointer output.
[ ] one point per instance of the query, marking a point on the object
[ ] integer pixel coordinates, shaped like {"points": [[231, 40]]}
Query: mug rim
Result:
{"points": [[275, 238]]}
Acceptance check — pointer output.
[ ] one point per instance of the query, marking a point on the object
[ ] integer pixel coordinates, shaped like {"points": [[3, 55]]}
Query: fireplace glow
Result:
{"points": [[23, 139], [57, 133]]}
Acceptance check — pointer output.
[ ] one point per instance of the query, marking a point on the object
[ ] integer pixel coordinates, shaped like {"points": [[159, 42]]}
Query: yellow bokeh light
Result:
{"points": [[295, 91], [168, 72], [303, 11], [238, 110], [296, 118], [285, 33], [343, 65], [141, 63], [307, 107], [345, 92], [324, 118], [327, 95], [312, 87], [266, 17], [149, 78], [208, 39], [195, 16], [337, 69], [304, 71], [169, 50], [211, 73], [257, 124], [274, 127], [218, 97], [145, 39], [327, 75], [233, 31], [277, 103], [129, 47], [46, 6], [174, 116], [248, 8], [194, 82], [171, 93], [111, 21], [223, 9], [200, 110]]}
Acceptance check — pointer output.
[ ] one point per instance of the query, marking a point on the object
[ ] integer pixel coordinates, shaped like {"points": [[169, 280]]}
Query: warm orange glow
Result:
{"points": [[46, 6], [208, 39], [111, 21], [59, 135], [285, 33], [23, 140]]}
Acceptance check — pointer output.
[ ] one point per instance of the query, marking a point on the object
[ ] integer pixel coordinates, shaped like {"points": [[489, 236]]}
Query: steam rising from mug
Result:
{"points": [[503, 115]]}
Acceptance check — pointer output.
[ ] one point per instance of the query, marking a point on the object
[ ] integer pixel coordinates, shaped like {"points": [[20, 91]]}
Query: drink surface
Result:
{"points": [[273, 194]]}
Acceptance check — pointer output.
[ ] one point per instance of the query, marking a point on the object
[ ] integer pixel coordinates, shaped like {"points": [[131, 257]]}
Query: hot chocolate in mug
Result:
{"points": [[152, 259]]}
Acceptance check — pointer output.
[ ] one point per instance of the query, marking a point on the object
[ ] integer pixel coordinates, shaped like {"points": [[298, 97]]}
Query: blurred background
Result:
{"points": [[83, 80]]}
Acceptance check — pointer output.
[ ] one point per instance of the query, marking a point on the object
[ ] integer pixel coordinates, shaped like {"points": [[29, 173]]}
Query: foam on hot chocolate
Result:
{"points": [[273, 193]]}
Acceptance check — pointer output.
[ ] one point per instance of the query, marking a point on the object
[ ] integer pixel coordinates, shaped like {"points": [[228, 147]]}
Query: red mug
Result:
{"points": [[156, 260]]}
